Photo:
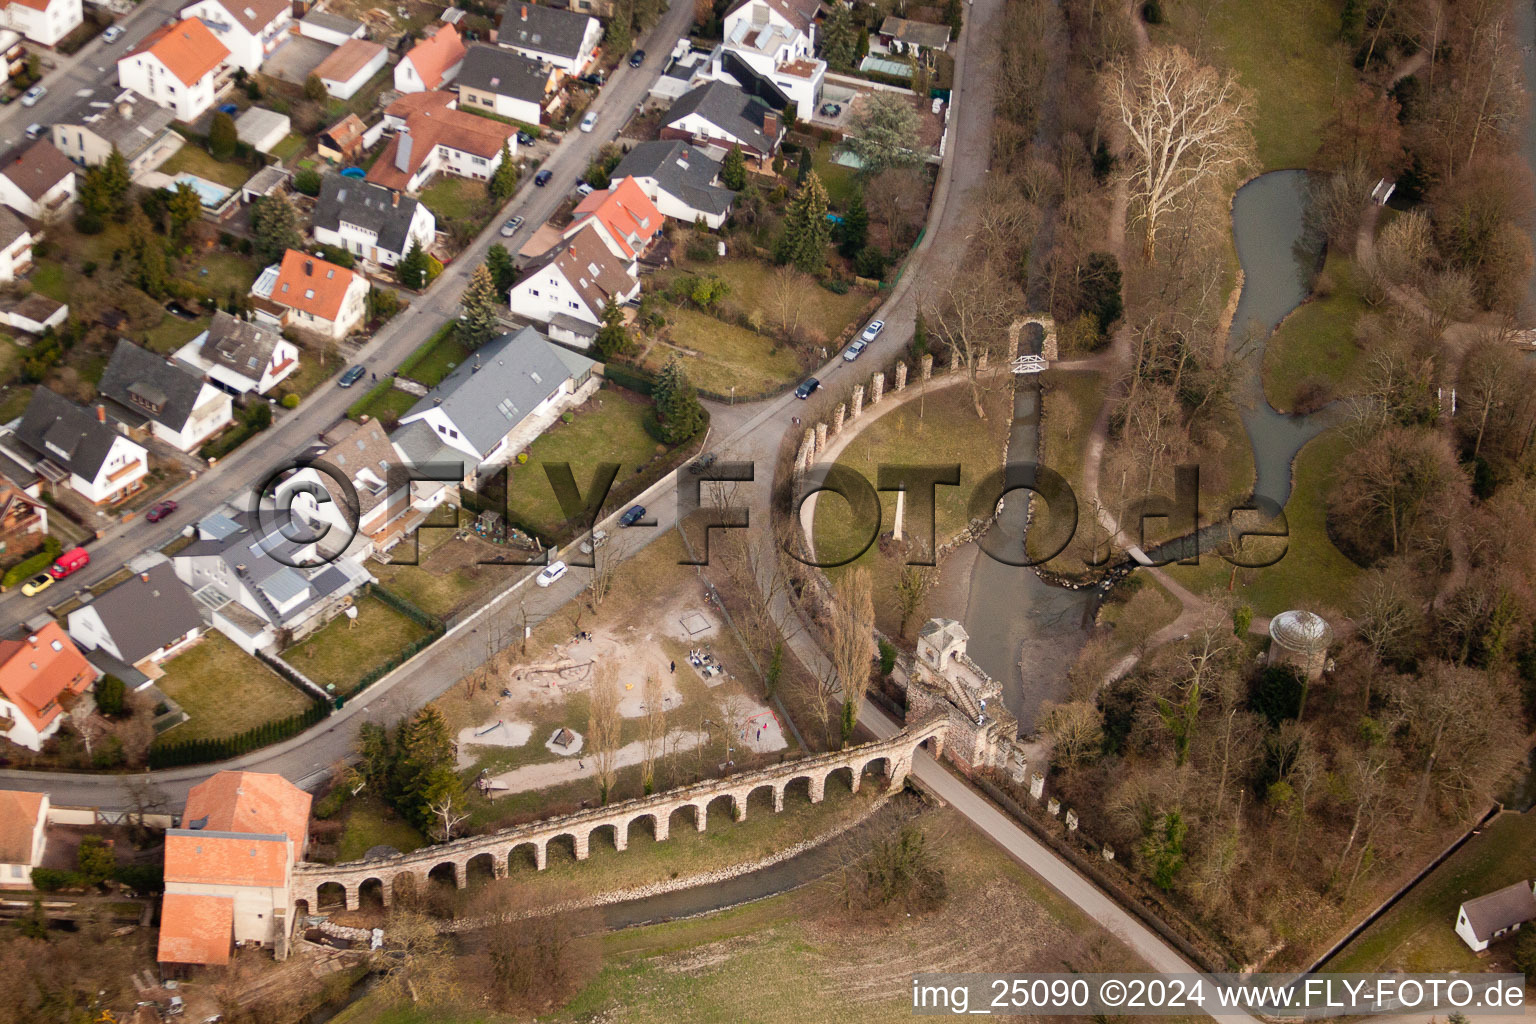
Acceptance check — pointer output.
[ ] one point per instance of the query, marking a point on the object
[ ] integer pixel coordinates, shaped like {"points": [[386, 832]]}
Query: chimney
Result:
{"points": [[125, 108], [101, 414], [525, 12], [144, 577], [771, 124], [396, 199], [309, 268]]}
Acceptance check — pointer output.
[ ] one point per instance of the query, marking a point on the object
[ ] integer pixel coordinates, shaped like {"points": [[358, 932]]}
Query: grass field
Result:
{"points": [[842, 182], [1287, 52], [751, 290], [446, 575], [1316, 343], [1419, 934], [196, 160], [290, 146], [718, 356], [452, 198], [221, 272], [172, 332], [389, 405], [314, 367], [445, 353], [345, 650], [224, 691], [370, 823]]}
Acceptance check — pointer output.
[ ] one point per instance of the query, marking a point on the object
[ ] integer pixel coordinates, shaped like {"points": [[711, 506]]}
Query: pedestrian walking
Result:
{"points": [[672, 667]]}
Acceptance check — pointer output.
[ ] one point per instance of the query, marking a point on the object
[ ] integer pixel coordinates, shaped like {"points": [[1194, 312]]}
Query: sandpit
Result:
{"points": [[499, 733], [757, 727]]}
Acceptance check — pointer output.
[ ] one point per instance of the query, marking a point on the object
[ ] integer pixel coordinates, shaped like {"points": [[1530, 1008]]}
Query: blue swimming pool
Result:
{"points": [[211, 193]]}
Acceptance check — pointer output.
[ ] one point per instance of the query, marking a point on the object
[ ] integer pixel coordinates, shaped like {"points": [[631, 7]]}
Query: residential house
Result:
{"points": [[625, 220], [330, 28], [43, 21], [682, 182], [15, 246], [776, 40], [33, 313], [260, 587], [440, 138], [407, 105], [505, 83], [717, 116], [251, 30], [370, 221], [108, 116], [262, 129], [38, 675], [239, 356], [566, 39], [68, 443], [911, 38], [13, 54], [351, 66], [313, 295], [1492, 917], [227, 868], [183, 67], [507, 393], [142, 621], [596, 8], [176, 406], [23, 836], [23, 516], [433, 62], [37, 182], [575, 281], [343, 141]]}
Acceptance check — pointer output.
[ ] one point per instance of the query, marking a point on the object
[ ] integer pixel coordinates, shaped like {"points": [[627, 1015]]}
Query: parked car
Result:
{"points": [[594, 542], [524, 139], [229, 108], [510, 227], [595, 78], [637, 58], [542, 178], [32, 95], [583, 188], [590, 121], [352, 376], [702, 464], [855, 350], [71, 561], [35, 131], [632, 515], [551, 572], [112, 34], [37, 584], [872, 331], [161, 510], [807, 389]]}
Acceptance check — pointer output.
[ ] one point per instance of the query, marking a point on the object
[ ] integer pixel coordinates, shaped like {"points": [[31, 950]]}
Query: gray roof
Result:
{"points": [[919, 33], [727, 107], [545, 29], [681, 171], [11, 227], [257, 123], [147, 611], [239, 345], [490, 393], [503, 73], [53, 419], [120, 117], [144, 382], [334, 22], [1501, 909], [420, 445], [371, 207], [248, 553]]}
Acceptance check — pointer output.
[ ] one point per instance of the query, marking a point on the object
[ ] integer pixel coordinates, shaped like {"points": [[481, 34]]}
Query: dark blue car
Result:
{"points": [[632, 515]]}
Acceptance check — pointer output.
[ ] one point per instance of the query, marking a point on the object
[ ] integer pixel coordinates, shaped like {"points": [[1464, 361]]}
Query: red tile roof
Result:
{"points": [[196, 929], [36, 670], [435, 55], [188, 49], [433, 127], [18, 820], [221, 858], [311, 285], [254, 802], [421, 102], [625, 211]]}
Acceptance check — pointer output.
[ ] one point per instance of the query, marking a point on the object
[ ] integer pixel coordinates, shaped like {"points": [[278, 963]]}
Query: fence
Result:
{"points": [[225, 747]]}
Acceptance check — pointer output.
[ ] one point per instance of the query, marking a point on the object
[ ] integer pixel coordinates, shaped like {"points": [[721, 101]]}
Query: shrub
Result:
{"points": [[141, 878], [871, 263], [33, 565], [290, 401], [887, 657], [835, 286], [567, 417], [307, 181], [110, 694], [332, 803], [52, 879]]}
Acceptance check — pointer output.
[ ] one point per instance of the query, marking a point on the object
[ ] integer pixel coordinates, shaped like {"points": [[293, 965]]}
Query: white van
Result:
{"points": [[552, 572]]}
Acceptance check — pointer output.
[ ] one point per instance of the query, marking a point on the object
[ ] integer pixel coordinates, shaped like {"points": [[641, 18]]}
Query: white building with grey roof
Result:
{"points": [[373, 223], [145, 619], [173, 404], [505, 83], [566, 39], [109, 115], [67, 444], [1500, 913], [239, 356], [682, 180]]}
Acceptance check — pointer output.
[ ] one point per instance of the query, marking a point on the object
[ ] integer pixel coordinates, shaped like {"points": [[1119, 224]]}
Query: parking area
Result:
{"points": [[296, 59]]}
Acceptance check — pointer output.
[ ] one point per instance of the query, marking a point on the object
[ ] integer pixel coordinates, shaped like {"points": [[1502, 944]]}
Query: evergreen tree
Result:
{"points": [[885, 133], [222, 137], [612, 338], [806, 231], [275, 226], [477, 322], [679, 416], [504, 179], [146, 254], [839, 39], [423, 752], [502, 271], [853, 233], [413, 270], [314, 89], [733, 172], [116, 183], [184, 208], [620, 28]]}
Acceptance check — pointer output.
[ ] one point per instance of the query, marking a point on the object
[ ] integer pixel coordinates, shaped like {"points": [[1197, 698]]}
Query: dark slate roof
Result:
{"points": [[420, 445], [503, 73], [546, 29], [147, 611], [53, 419], [248, 552], [371, 207], [1504, 908], [680, 170], [727, 107], [11, 227], [752, 83], [239, 345], [138, 379], [491, 392]]}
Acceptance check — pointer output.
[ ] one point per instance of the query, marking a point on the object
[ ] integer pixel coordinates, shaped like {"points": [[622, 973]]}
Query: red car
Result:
{"points": [[160, 511]]}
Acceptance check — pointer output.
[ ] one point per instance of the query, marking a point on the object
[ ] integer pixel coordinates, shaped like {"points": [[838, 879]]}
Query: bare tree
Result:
{"points": [[537, 958], [851, 646], [655, 731], [603, 723], [969, 313], [912, 587], [448, 813], [1186, 127], [607, 557], [416, 962], [786, 299]]}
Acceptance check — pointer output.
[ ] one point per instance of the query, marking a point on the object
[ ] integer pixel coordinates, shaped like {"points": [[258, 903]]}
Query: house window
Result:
{"points": [[534, 292]]}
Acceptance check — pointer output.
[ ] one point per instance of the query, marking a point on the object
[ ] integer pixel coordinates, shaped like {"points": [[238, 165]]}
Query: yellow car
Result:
{"points": [[37, 584]]}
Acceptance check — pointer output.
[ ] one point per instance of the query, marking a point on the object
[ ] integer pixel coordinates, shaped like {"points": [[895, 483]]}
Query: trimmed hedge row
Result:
{"points": [[422, 351], [202, 751], [631, 377], [356, 408], [32, 566]]}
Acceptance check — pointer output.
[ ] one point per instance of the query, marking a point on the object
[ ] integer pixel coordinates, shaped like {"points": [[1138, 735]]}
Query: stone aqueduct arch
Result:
{"points": [[1047, 341], [896, 752]]}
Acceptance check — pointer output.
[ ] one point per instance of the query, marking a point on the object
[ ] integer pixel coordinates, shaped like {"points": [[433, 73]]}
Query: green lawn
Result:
{"points": [[172, 332], [290, 147], [388, 406], [719, 356], [751, 290], [842, 182], [51, 279], [1315, 346], [314, 367], [345, 650], [199, 161], [1419, 934], [370, 823], [1311, 566], [447, 573], [610, 427], [222, 272], [13, 402], [1287, 53], [452, 198], [435, 360], [225, 691]]}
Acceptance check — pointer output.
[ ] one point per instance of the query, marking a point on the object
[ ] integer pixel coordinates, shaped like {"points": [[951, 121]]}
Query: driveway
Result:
{"points": [[296, 59]]}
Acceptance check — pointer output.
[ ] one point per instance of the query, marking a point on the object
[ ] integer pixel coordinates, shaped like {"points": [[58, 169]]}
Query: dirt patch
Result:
{"points": [[499, 733]]}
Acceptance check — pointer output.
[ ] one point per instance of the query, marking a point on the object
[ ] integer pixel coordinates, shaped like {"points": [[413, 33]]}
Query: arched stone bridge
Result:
{"points": [[499, 847]]}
